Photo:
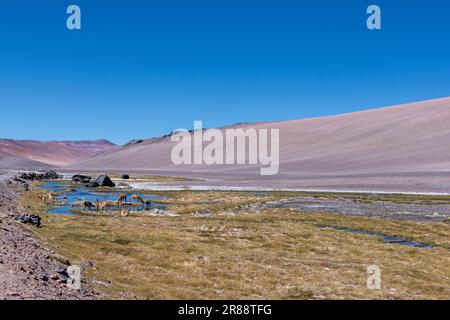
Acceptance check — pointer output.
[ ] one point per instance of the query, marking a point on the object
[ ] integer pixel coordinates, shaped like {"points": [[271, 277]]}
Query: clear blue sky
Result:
{"points": [[143, 68]]}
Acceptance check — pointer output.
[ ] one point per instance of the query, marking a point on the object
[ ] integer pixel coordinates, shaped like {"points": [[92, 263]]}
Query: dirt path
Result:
{"points": [[27, 269]]}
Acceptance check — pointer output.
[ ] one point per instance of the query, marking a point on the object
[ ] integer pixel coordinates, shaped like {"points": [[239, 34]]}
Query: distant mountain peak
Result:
{"points": [[54, 153]]}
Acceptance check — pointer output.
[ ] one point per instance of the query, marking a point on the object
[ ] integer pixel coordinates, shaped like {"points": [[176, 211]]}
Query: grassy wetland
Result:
{"points": [[215, 245]]}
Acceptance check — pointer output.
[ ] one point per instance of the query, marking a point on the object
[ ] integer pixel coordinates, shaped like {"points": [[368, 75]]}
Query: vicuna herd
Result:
{"points": [[105, 205]]}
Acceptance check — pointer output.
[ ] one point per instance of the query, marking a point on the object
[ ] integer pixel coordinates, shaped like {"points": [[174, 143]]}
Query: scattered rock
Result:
{"points": [[60, 259], [105, 181], [87, 264], [78, 178], [32, 219], [93, 184], [27, 270], [62, 272], [128, 295], [13, 294], [33, 176], [133, 142], [21, 182], [125, 176], [61, 275]]}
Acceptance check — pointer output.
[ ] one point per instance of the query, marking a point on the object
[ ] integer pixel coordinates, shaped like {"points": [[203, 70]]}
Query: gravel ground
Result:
{"points": [[27, 269]]}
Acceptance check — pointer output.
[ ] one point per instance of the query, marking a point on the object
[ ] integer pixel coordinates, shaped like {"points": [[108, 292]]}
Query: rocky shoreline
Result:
{"points": [[28, 270]]}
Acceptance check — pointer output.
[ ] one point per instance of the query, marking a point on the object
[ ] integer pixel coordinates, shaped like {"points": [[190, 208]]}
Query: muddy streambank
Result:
{"points": [[28, 270]]}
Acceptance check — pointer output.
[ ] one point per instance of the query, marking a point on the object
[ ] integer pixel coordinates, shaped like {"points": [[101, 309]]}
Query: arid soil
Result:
{"points": [[27, 269]]}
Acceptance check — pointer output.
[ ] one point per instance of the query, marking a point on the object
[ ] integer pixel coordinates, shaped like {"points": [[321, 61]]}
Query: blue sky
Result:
{"points": [[143, 68]]}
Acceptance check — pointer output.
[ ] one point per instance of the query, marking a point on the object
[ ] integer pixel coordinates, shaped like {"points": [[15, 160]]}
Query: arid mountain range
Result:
{"points": [[43, 154], [406, 138], [392, 148]]}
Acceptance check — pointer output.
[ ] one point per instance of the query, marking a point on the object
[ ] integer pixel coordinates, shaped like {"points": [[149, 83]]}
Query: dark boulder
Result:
{"points": [[81, 179], [51, 175], [62, 271], [125, 177], [61, 275], [32, 219], [93, 184], [105, 181], [134, 142], [20, 182], [30, 176], [33, 176]]}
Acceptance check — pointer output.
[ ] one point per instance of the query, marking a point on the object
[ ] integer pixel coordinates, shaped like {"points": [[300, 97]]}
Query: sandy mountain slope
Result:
{"points": [[8, 161], [401, 139], [56, 153]]}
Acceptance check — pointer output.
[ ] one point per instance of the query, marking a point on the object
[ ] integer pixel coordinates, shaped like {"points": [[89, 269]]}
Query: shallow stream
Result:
{"points": [[79, 194]]}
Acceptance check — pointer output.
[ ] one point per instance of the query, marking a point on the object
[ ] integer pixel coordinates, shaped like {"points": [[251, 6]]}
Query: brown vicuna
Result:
{"points": [[100, 206], [47, 197], [138, 198], [88, 205], [121, 199]]}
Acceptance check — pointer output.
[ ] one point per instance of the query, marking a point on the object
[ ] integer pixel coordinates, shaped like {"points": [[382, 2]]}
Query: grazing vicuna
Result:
{"points": [[104, 206], [88, 205], [47, 198], [43, 197], [121, 199], [138, 198]]}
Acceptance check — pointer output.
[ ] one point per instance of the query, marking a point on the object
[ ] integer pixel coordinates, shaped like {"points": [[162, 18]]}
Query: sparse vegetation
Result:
{"points": [[395, 198], [231, 253]]}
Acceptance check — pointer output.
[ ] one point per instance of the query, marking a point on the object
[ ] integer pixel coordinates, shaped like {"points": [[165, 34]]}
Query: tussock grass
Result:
{"points": [[235, 254], [395, 198], [186, 202]]}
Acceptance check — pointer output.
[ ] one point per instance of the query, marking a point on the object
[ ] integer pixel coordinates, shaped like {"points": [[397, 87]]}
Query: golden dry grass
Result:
{"points": [[275, 254]]}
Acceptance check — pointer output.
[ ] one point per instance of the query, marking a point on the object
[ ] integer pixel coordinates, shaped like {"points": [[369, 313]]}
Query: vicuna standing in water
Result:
{"points": [[138, 198], [103, 205], [121, 199], [88, 205]]}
